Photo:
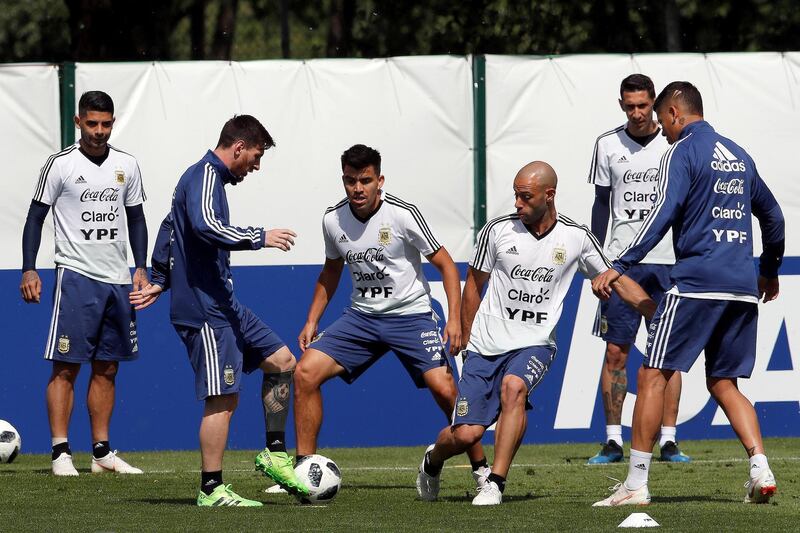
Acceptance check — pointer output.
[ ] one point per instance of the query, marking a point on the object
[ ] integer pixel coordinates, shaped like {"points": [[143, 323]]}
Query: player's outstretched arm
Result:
{"points": [[324, 290], [451, 280], [634, 295], [282, 239], [471, 300]]}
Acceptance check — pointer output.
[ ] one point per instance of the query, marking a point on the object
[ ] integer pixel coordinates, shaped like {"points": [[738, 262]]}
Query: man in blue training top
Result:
{"points": [[223, 337], [708, 189]]}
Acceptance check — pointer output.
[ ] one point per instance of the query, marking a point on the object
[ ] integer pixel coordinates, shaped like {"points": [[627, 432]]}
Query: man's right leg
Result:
{"points": [[314, 369], [60, 396], [614, 388]]}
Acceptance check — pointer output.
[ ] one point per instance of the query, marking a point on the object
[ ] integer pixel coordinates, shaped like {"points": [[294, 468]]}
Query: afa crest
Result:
{"points": [[462, 407], [228, 375], [385, 235], [63, 344], [603, 324], [120, 175], [559, 256]]}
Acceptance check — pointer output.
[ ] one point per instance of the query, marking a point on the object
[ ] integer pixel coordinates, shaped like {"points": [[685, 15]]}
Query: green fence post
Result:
{"points": [[66, 75], [479, 140]]}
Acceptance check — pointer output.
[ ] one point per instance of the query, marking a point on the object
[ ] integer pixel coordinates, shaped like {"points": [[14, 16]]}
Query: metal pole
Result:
{"points": [[479, 140], [66, 75]]}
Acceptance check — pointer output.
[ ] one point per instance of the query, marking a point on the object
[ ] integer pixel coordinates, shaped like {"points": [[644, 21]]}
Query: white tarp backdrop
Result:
{"points": [[30, 118], [416, 111]]}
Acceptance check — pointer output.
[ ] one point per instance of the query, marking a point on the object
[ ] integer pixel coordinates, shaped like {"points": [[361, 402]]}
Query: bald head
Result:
{"points": [[539, 173]]}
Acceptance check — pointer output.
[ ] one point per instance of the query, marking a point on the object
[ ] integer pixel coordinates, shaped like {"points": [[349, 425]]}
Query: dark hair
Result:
{"points": [[245, 128], [684, 92], [95, 101], [637, 82], [360, 156]]}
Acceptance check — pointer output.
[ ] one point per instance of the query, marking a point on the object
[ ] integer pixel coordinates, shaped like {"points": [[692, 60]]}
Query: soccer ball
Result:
{"points": [[10, 442], [321, 476]]}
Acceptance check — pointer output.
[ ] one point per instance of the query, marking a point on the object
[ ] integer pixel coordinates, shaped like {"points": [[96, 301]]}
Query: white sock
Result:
{"points": [[638, 469], [758, 463], [55, 441], [614, 433], [668, 433]]}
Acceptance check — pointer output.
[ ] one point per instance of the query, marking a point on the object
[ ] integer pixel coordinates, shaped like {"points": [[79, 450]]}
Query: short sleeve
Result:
{"points": [[134, 194], [331, 250], [592, 260], [50, 183], [599, 171], [484, 253]]}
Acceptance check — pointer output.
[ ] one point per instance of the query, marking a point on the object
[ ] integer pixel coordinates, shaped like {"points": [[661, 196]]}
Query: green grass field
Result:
{"points": [[550, 489]]}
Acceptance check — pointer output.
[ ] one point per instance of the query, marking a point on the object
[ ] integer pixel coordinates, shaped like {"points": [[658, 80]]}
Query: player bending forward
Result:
{"points": [[381, 238], [528, 259], [223, 337]]}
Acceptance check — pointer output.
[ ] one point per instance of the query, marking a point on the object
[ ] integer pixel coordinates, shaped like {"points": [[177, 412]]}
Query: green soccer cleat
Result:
{"points": [[223, 496], [278, 467]]}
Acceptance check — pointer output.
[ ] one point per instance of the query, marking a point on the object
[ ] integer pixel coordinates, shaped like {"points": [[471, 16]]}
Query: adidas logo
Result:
{"points": [[725, 161], [529, 377], [343, 238], [622, 159], [80, 180], [640, 466], [512, 251], [436, 357]]}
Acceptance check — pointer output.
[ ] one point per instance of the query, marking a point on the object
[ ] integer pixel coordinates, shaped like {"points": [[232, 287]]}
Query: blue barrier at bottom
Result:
{"points": [[156, 408]]}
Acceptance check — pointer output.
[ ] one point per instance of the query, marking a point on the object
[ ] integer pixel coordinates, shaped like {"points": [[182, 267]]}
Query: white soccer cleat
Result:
{"points": [[427, 486], [489, 495], [762, 488], [624, 496], [62, 466], [481, 475], [275, 489], [113, 463]]}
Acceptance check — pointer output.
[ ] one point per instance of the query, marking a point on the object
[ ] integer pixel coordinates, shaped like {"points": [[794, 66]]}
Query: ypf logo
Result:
{"points": [[725, 161]]}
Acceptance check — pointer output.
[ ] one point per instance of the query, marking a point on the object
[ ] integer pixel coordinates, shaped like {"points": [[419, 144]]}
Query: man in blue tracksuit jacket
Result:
{"points": [[707, 191], [222, 336]]}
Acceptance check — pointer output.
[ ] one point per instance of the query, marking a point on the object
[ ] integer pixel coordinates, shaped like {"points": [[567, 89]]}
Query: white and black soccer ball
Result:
{"points": [[322, 477], [10, 442]]}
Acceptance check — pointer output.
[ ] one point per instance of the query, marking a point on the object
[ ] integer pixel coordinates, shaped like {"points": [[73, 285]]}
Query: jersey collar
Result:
{"points": [[223, 171], [695, 126]]}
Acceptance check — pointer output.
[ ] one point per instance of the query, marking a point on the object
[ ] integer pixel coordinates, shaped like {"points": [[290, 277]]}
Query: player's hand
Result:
{"points": [[307, 335], [452, 333], [145, 297], [283, 239], [768, 288], [601, 284], [140, 280], [30, 287]]}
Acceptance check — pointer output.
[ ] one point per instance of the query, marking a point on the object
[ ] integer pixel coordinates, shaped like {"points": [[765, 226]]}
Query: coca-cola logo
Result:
{"points": [[109, 194], [540, 274], [370, 255], [643, 176], [734, 186]]}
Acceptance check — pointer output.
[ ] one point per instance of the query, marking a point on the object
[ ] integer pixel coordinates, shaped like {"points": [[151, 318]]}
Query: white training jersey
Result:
{"points": [[631, 170], [530, 277], [383, 255], [91, 233]]}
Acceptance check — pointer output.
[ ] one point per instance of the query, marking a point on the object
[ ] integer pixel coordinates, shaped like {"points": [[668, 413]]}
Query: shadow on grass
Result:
{"points": [[467, 497], [689, 499], [191, 502]]}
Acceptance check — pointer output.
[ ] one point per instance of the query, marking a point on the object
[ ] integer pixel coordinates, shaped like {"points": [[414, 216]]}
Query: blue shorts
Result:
{"points": [[481, 381], [220, 355], [92, 320], [618, 322], [683, 327], [356, 340]]}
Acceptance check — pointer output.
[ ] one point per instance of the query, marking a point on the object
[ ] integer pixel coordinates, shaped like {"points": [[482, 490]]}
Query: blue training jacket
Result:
{"points": [[192, 249], [707, 191]]}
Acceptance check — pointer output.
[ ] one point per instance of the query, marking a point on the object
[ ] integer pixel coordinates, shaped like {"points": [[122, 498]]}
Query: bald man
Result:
{"points": [[708, 188], [528, 259]]}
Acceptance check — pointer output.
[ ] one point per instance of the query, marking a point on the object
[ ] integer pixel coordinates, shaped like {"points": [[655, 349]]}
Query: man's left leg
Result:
{"points": [[508, 434], [443, 388], [668, 441], [100, 401], [274, 461]]}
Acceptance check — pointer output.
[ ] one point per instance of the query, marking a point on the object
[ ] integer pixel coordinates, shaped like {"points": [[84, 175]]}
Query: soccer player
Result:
{"points": [[223, 337], [96, 194], [624, 172], [708, 188], [528, 260], [381, 238]]}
